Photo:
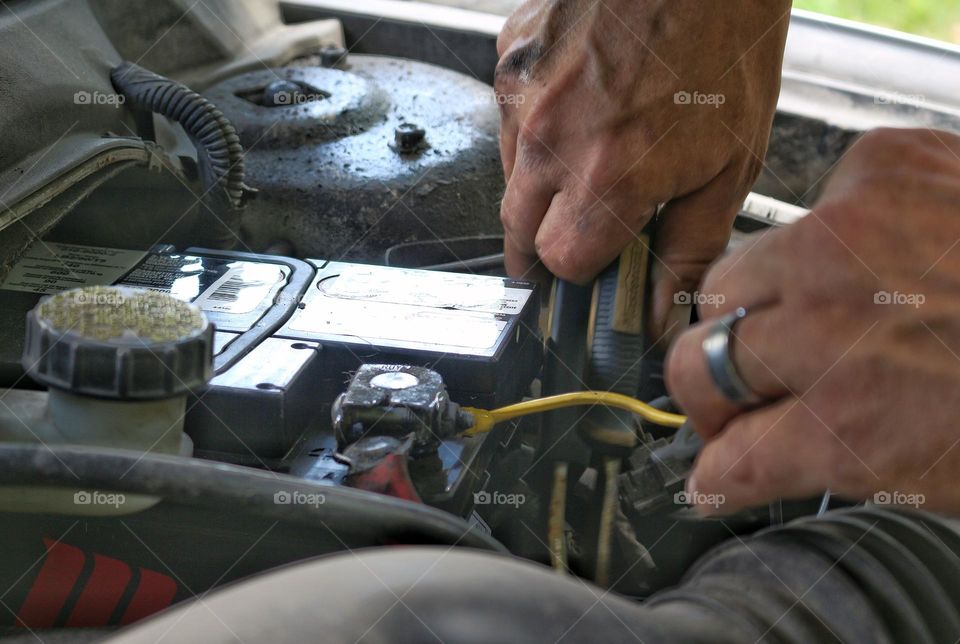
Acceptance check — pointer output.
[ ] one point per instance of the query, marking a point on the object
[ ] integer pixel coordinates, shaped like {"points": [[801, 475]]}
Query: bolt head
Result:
{"points": [[333, 56], [408, 137], [280, 93]]}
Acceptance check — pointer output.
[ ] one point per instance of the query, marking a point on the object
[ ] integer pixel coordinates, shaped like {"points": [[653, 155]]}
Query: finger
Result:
{"points": [[523, 266], [512, 113], [775, 452], [580, 234], [767, 365], [507, 86], [750, 276], [525, 203], [508, 143], [691, 233]]}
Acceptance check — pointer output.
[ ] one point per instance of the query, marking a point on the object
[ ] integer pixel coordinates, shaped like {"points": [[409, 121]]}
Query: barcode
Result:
{"points": [[229, 291]]}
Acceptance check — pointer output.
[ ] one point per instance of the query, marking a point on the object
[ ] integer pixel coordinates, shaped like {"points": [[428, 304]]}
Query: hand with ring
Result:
{"points": [[829, 357]]}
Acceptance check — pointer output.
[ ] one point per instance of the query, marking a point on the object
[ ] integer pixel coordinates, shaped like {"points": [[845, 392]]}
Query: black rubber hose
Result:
{"points": [[840, 578], [219, 153], [213, 135], [194, 482]]}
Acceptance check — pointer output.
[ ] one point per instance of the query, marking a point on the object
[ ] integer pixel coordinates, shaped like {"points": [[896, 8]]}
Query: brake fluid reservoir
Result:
{"points": [[119, 363]]}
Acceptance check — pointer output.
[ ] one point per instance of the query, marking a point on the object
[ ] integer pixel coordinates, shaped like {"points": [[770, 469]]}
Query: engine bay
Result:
{"points": [[319, 350]]}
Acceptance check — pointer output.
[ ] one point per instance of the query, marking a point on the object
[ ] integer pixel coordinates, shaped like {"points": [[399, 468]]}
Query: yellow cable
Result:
{"points": [[484, 420]]}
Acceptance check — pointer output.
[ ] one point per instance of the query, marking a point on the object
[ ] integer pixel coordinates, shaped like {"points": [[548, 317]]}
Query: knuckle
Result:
{"points": [[518, 224], [508, 218], [563, 260], [558, 263], [600, 175], [503, 78]]}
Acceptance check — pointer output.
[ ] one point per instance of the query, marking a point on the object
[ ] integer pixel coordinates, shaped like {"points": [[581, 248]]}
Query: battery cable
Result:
{"points": [[484, 419]]}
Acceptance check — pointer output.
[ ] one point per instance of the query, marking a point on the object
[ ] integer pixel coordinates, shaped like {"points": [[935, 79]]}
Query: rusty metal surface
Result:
{"points": [[340, 175]]}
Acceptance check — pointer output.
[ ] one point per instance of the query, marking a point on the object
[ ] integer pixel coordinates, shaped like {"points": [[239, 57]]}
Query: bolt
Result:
{"points": [[333, 56], [408, 137], [280, 93]]}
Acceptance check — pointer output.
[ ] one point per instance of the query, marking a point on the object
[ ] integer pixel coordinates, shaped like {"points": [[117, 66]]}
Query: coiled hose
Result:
{"points": [[219, 152]]}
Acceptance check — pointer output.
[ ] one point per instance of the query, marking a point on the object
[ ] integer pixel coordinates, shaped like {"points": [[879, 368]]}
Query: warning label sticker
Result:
{"points": [[411, 309], [48, 267], [243, 288], [479, 293], [214, 284], [403, 325]]}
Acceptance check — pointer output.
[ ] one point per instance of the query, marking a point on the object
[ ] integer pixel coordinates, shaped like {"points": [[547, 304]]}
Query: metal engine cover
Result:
{"points": [[341, 168]]}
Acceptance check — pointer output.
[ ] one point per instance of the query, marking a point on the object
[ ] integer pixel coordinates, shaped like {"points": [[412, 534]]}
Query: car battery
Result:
{"points": [[480, 333], [289, 333]]}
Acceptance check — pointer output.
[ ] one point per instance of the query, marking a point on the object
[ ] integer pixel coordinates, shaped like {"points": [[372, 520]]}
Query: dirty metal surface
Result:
{"points": [[372, 153]]}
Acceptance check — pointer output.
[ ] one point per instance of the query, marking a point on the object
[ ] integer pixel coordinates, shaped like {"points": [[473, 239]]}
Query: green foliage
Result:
{"points": [[934, 18]]}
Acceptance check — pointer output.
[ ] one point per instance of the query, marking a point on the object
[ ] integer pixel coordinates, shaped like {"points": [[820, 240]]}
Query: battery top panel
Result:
{"points": [[388, 307]]}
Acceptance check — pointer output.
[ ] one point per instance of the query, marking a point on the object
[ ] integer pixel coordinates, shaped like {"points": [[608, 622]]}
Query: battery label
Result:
{"points": [[214, 284], [50, 267], [401, 325], [243, 288], [428, 288], [411, 309]]}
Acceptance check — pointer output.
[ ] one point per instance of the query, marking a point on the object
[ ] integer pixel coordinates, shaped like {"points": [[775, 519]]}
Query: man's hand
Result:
{"points": [[613, 108], [852, 332]]}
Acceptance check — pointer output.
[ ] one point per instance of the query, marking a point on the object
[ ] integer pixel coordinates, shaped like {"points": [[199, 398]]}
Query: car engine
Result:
{"points": [[257, 343]]}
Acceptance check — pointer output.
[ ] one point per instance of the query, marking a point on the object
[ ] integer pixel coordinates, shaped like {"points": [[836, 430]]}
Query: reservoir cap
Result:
{"points": [[118, 342]]}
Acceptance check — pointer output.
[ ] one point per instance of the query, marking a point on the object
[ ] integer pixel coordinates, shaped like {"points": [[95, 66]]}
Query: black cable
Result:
{"points": [[219, 152]]}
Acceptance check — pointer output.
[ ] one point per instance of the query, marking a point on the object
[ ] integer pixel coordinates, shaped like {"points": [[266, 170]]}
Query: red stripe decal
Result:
{"points": [[155, 592], [102, 593], [53, 585]]}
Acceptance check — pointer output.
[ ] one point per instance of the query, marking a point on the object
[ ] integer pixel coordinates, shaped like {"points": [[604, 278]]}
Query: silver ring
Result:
{"points": [[716, 349]]}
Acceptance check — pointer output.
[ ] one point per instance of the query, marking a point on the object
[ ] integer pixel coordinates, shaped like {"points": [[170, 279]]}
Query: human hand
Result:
{"points": [[853, 336], [610, 109]]}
